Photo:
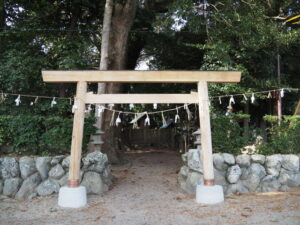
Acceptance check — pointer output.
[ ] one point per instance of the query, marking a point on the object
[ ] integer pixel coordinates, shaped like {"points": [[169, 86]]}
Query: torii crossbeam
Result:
{"points": [[97, 76]]}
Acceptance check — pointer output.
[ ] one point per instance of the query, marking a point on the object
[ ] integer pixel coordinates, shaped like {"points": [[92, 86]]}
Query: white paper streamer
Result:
{"points": [[189, 114], [163, 119], [147, 120], [110, 106], [252, 98], [154, 106], [269, 95], [118, 120], [18, 100], [53, 102], [100, 109], [231, 100], [177, 118], [245, 97], [89, 109], [74, 108], [31, 103], [131, 106], [282, 92], [220, 100]]}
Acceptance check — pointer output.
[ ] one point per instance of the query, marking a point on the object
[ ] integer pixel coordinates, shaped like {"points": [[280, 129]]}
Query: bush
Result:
{"points": [[32, 134], [227, 134], [284, 137]]}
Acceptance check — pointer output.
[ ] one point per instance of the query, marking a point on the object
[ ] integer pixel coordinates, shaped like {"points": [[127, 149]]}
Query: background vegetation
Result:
{"points": [[249, 36]]}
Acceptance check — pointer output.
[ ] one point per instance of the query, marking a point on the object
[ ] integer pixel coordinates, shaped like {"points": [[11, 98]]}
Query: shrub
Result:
{"points": [[33, 134], [284, 137], [227, 134]]}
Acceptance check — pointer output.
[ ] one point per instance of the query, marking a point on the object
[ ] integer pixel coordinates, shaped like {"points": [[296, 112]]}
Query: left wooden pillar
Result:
{"points": [[77, 135]]}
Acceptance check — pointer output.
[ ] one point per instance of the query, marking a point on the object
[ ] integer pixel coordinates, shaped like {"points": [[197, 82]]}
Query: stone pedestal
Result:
{"points": [[72, 197]]}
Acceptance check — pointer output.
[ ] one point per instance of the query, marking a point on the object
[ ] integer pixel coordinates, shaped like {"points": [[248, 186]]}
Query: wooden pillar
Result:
{"points": [[78, 123], [207, 157]]}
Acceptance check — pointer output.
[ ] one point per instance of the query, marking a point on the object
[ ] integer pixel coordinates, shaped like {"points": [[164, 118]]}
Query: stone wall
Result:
{"points": [[243, 173], [28, 177]]}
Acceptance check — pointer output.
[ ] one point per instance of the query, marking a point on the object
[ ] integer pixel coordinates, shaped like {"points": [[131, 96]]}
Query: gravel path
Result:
{"points": [[146, 192]]}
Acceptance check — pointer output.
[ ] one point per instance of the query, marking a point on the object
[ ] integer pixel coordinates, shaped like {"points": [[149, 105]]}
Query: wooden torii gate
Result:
{"points": [[82, 98]]}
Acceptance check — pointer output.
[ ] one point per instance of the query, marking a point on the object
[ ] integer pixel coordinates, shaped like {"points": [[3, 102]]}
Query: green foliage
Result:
{"points": [[32, 134], [227, 134], [284, 137]]}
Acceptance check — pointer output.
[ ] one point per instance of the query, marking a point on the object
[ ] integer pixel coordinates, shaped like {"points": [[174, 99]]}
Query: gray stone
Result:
{"points": [[219, 162], [48, 187], [28, 186], [293, 181], [284, 175], [184, 158], [56, 160], [284, 188], [252, 182], [220, 177], [1, 186], [43, 166], [269, 183], [93, 183], [32, 195], [107, 176], [237, 188], [245, 173], [290, 162], [64, 180], [184, 170], [66, 162], [257, 170], [228, 158], [194, 160], [95, 161], [273, 164], [27, 166], [11, 186], [258, 159], [233, 174], [10, 167], [243, 160], [193, 179], [56, 172]]}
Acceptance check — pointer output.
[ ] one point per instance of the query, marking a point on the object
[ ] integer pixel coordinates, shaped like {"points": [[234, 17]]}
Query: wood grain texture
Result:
{"points": [[77, 134], [136, 76], [205, 128]]}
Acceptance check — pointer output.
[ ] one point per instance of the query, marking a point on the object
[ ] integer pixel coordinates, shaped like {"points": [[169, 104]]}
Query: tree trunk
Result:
{"points": [[118, 20]]}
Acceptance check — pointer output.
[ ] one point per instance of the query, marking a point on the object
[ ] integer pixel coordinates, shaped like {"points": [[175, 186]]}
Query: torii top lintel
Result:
{"points": [[138, 76]]}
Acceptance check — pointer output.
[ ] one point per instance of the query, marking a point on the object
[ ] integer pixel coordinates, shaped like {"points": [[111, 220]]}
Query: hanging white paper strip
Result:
{"points": [[147, 120], [252, 98], [131, 106], [118, 120], [177, 118], [220, 100], [245, 97], [53, 102], [18, 100], [231, 100], [154, 106], [269, 95], [282, 92], [163, 119], [110, 106]]}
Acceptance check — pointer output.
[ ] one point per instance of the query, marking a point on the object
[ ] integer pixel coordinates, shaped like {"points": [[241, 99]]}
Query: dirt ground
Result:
{"points": [[146, 192]]}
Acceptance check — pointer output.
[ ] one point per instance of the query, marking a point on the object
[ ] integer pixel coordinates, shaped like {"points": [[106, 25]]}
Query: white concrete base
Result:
{"points": [[209, 194], [72, 197]]}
